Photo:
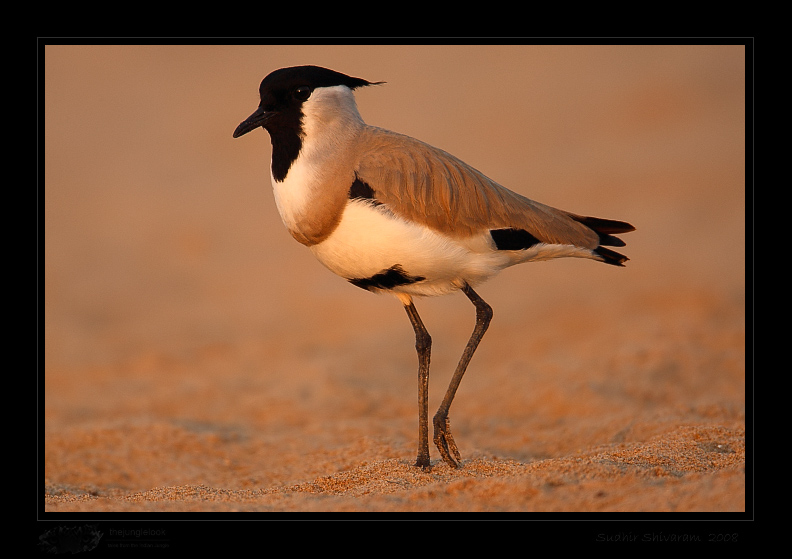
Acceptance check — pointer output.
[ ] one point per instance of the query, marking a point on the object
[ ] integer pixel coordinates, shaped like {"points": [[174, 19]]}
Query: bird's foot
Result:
{"points": [[445, 441], [423, 462]]}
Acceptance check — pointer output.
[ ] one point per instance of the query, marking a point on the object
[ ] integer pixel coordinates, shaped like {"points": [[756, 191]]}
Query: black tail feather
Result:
{"points": [[610, 240], [605, 229], [611, 256]]}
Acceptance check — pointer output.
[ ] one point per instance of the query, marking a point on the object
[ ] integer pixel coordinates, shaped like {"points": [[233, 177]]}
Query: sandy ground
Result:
{"points": [[197, 358]]}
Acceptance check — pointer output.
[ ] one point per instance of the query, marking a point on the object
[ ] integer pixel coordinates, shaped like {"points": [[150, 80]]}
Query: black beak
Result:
{"points": [[258, 118]]}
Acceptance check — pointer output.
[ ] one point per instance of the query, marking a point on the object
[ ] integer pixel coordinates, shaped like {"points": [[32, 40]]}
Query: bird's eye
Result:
{"points": [[302, 93]]}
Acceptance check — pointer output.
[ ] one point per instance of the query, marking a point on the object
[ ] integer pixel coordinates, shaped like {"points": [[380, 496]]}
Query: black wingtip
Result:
{"points": [[604, 226], [606, 229]]}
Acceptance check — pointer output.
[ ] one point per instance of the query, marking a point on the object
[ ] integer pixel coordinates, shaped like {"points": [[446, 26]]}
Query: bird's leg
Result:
{"points": [[442, 427], [423, 345]]}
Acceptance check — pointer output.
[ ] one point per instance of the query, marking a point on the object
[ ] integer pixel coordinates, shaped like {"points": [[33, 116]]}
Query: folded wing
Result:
{"points": [[427, 185]]}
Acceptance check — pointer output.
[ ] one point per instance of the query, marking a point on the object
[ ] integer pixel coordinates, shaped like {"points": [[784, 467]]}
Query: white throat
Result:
{"points": [[330, 124]]}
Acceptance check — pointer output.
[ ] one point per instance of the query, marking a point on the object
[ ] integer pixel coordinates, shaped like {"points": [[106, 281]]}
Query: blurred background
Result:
{"points": [[161, 231], [189, 339]]}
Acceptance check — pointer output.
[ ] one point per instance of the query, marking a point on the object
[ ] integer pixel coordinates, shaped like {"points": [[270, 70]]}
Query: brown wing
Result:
{"points": [[429, 186]]}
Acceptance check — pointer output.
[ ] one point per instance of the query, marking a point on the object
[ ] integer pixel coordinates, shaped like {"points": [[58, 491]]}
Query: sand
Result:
{"points": [[197, 359]]}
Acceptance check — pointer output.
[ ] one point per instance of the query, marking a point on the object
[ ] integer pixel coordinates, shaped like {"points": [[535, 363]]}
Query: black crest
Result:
{"points": [[310, 76], [282, 95]]}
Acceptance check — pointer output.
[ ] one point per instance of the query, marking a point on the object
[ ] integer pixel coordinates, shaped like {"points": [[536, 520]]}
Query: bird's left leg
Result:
{"points": [[423, 345]]}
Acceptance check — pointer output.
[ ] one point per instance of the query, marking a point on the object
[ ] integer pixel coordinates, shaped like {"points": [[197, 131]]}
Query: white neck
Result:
{"points": [[330, 124]]}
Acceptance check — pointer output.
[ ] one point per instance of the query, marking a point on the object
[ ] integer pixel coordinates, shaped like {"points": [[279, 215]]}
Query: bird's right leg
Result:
{"points": [[423, 345], [442, 428]]}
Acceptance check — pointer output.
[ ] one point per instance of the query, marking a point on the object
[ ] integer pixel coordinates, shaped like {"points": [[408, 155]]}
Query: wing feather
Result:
{"points": [[427, 185]]}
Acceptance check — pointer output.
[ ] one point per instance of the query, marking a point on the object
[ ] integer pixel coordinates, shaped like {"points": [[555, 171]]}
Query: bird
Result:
{"points": [[392, 214]]}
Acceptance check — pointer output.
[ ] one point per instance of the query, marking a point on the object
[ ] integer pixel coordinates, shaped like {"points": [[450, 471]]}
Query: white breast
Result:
{"points": [[370, 239], [292, 195]]}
